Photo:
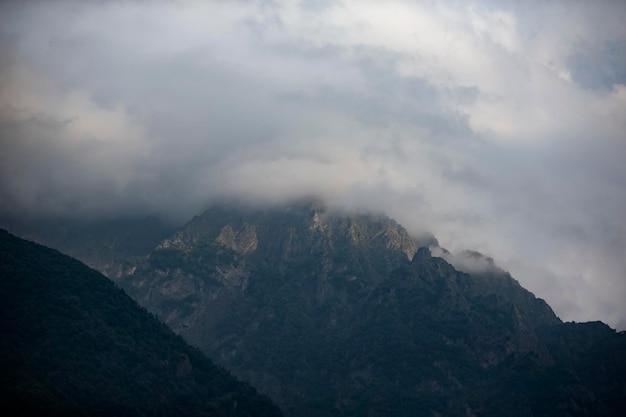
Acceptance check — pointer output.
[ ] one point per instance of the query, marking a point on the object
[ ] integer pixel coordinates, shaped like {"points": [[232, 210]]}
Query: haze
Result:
{"points": [[497, 126]]}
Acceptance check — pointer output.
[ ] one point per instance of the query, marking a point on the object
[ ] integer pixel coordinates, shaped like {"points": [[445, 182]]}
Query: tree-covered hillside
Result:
{"points": [[72, 343]]}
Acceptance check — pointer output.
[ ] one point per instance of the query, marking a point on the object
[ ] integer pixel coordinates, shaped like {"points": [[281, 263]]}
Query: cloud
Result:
{"points": [[497, 126], [468, 261]]}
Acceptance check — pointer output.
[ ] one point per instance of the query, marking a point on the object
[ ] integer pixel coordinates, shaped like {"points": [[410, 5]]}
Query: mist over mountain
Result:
{"points": [[336, 313], [71, 343], [101, 244], [496, 126]]}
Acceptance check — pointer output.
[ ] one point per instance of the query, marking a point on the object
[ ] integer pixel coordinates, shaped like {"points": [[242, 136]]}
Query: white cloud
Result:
{"points": [[473, 120]]}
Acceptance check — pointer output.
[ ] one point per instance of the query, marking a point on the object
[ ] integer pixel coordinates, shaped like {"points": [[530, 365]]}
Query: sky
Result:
{"points": [[498, 126]]}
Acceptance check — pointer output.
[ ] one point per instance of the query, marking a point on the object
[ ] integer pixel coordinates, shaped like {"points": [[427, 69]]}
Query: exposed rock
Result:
{"points": [[244, 241]]}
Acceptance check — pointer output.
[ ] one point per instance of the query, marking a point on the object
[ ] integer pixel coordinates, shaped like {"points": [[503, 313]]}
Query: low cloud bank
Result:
{"points": [[495, 126]]}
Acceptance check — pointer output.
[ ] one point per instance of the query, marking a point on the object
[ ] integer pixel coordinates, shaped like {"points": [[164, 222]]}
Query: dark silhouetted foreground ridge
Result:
{"points": [[74, 344]]}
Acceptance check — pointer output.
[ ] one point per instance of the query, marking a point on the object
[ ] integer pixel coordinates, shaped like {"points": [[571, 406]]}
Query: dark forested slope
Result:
{"points": [[74, 344]]}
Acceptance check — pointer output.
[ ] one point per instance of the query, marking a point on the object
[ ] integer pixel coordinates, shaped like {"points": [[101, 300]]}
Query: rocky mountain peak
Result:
{"points": [[292, 230]]}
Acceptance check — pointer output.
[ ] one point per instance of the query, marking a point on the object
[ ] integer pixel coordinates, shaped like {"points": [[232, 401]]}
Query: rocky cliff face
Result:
{"points": [[342, 314]]}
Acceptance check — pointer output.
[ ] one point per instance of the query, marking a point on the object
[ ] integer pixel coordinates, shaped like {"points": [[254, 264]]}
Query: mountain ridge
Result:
{"points": [[234, 281]]}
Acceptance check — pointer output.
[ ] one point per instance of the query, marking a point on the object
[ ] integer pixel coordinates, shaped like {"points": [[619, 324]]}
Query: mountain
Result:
{"points": [[343, 314], [72, 343]]}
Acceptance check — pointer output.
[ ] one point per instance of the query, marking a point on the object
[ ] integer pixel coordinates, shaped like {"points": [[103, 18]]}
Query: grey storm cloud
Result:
{"points": [[497, 126]]}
